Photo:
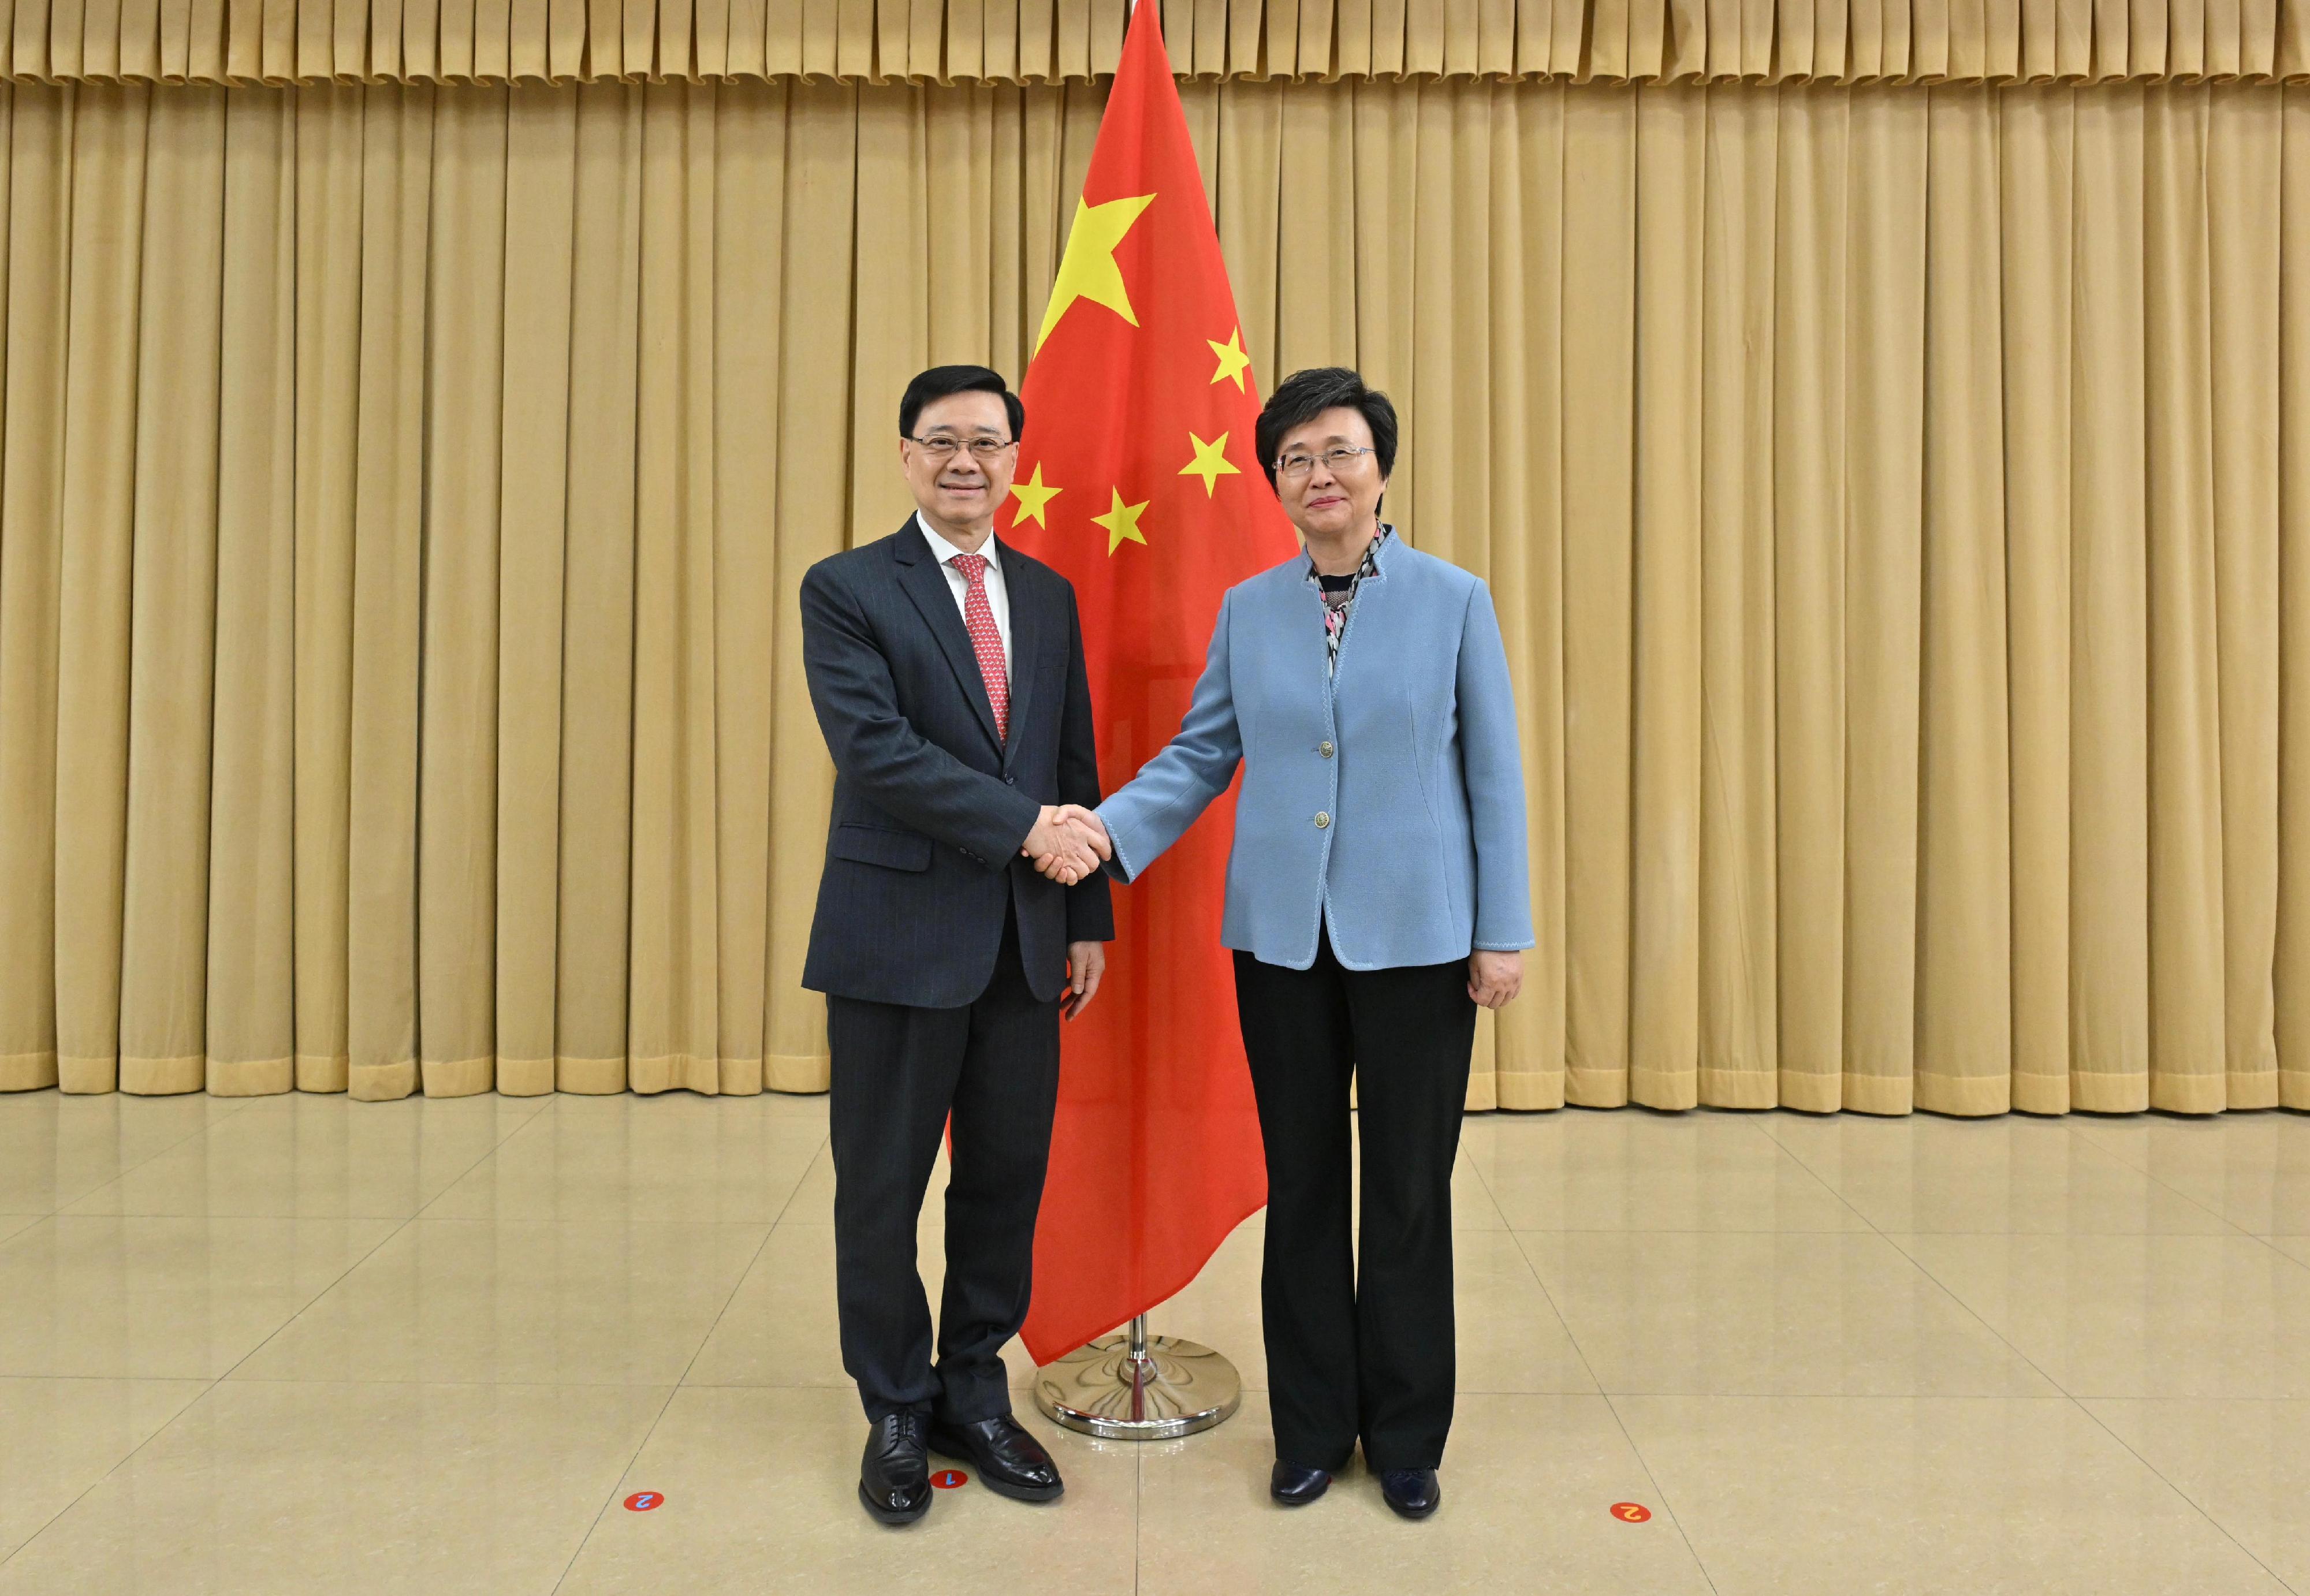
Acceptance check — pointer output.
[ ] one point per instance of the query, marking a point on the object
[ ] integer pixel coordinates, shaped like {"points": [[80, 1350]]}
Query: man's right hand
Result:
{"points": [[1062, 848], [1089, 827], [1085, 829]]}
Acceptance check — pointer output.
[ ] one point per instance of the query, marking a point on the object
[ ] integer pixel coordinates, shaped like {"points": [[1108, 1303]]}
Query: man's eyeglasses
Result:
{"points": [[1335, 460], [943, 447]]}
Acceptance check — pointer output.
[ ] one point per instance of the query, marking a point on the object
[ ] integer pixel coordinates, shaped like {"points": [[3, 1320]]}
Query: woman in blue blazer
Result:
{"points": [[1376, 895]]}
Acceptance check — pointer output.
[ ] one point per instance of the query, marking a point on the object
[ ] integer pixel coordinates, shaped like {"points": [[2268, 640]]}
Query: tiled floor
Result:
{"points": [[302, 1344]]}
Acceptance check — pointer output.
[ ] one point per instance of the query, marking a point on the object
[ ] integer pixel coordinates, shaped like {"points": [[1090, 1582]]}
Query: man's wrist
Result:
{"points": [[1043, 815]]}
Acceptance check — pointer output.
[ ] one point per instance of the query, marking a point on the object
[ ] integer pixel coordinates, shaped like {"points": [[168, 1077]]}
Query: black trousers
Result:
{"points": [[897, 1074], [1349, 1356]]}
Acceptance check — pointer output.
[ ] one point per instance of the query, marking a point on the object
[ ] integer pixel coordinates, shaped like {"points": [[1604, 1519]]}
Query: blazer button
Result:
{"points": [[1322, 819], [1324, 749], [1010, 781]]}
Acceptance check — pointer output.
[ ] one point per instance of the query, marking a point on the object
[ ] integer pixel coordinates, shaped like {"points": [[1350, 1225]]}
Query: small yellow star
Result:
{"points": [[1087, 271], [1122, 521], [1032, 498], [1210, 463], [1233, 361]]}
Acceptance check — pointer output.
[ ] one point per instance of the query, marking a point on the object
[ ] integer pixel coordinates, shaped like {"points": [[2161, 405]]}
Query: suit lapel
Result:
{"points": [[926, 584], [1025, 588]]}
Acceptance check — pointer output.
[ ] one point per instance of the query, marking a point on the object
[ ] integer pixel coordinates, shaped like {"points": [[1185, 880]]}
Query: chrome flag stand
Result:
{"points": [[1137, 1387]]}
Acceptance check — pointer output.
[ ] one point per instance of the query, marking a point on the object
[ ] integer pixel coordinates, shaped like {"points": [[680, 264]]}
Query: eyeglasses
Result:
{"points": [[943, 447], [1335, 460]]}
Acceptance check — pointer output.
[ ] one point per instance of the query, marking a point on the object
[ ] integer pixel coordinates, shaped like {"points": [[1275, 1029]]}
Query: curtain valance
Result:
{"points": [[946, 41]]}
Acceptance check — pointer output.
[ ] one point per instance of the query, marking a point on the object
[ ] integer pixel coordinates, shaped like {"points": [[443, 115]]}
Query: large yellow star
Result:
{"points": [[1210, 463], [1032, 498], [1233, 361], [1088, 270], [1122, 521]]}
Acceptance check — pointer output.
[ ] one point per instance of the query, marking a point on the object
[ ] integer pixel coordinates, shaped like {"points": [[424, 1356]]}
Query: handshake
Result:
{"points": [[1067, 843]]}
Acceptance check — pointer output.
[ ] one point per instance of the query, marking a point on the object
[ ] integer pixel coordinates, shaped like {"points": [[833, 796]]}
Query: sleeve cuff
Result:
{"points": [[1120, 867]]}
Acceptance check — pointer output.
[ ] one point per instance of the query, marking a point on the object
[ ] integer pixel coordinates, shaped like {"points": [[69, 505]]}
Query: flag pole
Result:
{"points": [[1139, 1387]]}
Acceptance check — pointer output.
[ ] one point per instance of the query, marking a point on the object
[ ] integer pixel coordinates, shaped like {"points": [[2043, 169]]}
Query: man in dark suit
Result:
{"points": [[947, 671]]}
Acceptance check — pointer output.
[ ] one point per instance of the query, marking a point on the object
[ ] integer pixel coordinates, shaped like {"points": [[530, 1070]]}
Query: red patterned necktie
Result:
{"points": [[985, 641]]}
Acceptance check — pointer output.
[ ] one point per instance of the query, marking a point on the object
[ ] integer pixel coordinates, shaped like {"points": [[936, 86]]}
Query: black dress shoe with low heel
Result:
{"points": [[1295, 1486], [1011, 1463], [894, 1476], [1414, 1493]]}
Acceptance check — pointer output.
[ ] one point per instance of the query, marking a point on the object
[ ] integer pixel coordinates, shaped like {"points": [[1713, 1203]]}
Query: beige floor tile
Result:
{"points": [[760, 1492], [483, 1300], [2136, 1316], [782, 1327], [57, 1148], [1529, 1482], [315, 1467], [1826, 1496], [800, 1106], [672, 1157], [1510, 1339], [57, 1438], [2247, 1465], [161, 1297], [1794, 1315], [1473, 1205], [2012, 1174], [2252, 1168], [813, 1202], [315, 1156], [374, 1489], [1579, 1169]]}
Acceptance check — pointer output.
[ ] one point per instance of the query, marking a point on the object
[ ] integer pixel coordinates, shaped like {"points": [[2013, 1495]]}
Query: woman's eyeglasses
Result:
{"points": [[941, 448], [1335, 460]]}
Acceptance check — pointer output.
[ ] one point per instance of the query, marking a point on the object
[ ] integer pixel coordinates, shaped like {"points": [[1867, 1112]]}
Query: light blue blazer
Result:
{"points": [[1385, 801]]}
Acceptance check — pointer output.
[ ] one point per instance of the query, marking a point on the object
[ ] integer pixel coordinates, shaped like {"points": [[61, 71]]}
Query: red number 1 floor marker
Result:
{"points": [[949, 1479]]}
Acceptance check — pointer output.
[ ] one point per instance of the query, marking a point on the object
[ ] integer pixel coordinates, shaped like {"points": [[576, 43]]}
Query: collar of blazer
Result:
{"points": [[1370, 569], [926, 584]]}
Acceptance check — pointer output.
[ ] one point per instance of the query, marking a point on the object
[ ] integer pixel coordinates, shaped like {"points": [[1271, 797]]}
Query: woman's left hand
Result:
{"points": [[1494, 978]]}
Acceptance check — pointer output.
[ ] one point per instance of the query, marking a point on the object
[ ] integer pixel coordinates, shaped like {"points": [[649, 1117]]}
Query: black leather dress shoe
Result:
{"points": [[1413, 1492], [894, 1477], [1295, 1486], [1011, 1463]]}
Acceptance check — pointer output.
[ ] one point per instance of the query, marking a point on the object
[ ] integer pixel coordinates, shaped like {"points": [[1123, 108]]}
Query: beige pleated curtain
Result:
{"points": [[1896, 496]]}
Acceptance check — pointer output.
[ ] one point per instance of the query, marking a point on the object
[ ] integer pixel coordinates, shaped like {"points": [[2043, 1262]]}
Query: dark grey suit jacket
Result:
{"points": [[922, 849]]}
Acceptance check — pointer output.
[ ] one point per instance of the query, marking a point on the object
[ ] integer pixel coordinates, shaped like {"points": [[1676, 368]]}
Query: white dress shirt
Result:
{"points": [[998, 596]]}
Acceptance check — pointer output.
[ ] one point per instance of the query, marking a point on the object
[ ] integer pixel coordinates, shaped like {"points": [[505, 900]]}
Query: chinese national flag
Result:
{"points": [[1138, 481]]}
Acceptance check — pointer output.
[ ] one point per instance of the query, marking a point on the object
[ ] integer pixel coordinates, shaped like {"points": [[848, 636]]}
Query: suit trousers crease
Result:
{"points": [[898, 1073], [1352, 1355]]}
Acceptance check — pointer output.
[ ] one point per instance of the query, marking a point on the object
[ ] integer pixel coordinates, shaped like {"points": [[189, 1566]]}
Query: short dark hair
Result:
{"points": [[1307, 394], [941, 382]]}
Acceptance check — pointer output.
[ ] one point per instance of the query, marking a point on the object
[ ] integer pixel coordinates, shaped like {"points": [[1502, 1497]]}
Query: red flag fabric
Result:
{"points": [[1138, 481]]}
